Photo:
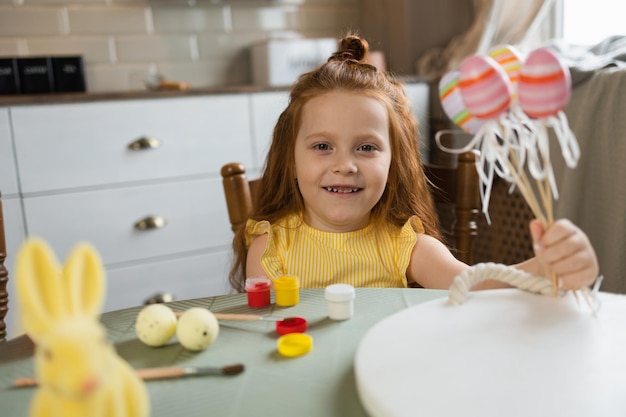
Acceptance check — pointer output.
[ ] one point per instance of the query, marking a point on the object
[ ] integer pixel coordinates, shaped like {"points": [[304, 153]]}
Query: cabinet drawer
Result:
{"points": [[185, 278], [8, 173], [86, 144], [194, 210], [266, 108], [14, 230]]}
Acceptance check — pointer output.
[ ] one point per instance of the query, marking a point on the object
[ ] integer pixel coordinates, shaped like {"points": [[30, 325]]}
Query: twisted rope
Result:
{"points": [[516, 277]]}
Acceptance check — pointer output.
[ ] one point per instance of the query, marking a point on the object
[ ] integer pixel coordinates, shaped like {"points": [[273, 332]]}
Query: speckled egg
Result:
{"points": [[197, 328], [155, 324], [545, 84], [485, 87], [452, 103], [510, 59]]}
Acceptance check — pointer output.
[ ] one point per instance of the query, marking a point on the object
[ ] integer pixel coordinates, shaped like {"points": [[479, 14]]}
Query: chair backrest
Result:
{"points": [[507, 239], [239, 192], [455, 191], [4, 278], [456, 194]]}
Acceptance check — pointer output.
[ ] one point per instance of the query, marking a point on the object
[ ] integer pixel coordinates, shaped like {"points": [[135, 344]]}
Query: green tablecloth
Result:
{"points": [[319, 384]]}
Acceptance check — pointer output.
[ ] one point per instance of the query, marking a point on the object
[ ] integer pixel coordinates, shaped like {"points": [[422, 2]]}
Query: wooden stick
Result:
{"points": [[242, 317], [168, 372]]}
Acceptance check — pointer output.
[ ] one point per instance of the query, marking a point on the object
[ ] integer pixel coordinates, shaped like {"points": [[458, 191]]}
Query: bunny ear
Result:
{"points": [[38, 285], [83, 275]]}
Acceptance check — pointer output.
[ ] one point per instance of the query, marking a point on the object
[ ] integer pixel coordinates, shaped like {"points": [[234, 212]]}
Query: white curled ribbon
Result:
{"points": [[493, 140], [569, 145]]}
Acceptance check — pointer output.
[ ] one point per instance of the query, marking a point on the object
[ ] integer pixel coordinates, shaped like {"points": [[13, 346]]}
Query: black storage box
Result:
{"points": [[9, 79], [68, 74]]}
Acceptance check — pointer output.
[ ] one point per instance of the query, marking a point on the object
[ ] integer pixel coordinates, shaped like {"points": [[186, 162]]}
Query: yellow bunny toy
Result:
{"points": [[78, 371]]}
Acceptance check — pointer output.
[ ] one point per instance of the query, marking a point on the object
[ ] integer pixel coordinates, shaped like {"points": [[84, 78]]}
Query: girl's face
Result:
{"points": [[342, 158]]}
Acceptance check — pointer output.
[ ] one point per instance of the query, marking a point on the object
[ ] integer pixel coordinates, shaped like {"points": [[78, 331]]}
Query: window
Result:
{"points": [[588, 22]]}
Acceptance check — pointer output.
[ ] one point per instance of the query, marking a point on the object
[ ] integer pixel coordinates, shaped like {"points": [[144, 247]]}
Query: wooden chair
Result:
{"points": [[507, 239], [4, 279], [457, 201], [455, 190]]}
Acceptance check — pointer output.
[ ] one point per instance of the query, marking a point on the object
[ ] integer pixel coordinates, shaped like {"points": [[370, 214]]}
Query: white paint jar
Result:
{"points": [[340, 300]]}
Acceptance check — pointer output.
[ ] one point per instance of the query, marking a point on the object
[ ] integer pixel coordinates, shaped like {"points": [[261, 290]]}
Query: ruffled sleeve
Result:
{"points": [[272, 259], [256, 228]]}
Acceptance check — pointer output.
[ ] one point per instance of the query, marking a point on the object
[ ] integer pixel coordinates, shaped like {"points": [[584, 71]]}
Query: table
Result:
{"points": [[321, 383]]}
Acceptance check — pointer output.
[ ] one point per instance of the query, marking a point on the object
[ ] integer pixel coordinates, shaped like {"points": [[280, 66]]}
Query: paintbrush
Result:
{"points": [[168, 372], [250, 317], [246, 317]]}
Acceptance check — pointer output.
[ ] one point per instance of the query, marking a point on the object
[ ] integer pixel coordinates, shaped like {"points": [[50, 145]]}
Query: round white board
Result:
{"points": [[502, 353]]}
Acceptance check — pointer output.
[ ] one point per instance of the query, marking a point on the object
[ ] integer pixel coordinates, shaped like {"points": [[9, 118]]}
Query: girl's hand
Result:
{"points": [[564, 249]]}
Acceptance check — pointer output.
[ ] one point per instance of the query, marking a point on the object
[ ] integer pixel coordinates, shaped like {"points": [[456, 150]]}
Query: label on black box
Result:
{"points": [[35, 75]]}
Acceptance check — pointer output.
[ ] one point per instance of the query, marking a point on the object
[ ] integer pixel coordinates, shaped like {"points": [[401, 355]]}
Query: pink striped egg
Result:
{"points": [[452, 103], [510, 59], [485, 87], [545, 84]]}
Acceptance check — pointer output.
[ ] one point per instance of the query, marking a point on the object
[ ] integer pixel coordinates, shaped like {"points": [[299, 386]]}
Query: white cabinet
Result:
{"points": [[418, 95], [80, 181], [11, 207], [8, 171], [266, 108]]}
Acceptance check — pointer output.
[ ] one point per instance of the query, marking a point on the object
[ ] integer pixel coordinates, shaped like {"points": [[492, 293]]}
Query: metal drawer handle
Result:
{"points": [[150, 222], [144, 142]]}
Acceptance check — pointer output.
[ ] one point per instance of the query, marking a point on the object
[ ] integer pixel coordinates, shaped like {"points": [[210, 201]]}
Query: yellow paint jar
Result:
{"points": [[287, 290]]}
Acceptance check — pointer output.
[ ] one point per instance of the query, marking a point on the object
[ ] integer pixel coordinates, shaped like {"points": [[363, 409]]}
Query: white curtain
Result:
{"points": [[496, 22]]}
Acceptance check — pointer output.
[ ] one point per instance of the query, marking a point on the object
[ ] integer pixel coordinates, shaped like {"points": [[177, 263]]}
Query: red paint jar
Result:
{"points": [[258, 290]]}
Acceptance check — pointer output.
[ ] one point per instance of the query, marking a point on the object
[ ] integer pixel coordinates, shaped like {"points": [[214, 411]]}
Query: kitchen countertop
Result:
{"points": [[59, 98]]}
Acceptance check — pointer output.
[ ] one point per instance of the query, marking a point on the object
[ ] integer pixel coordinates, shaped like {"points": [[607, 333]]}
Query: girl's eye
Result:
{"points": [[321, 146], [367, 148]]}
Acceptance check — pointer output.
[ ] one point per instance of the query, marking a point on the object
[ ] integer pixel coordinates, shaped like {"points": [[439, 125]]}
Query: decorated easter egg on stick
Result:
{"points": [[545, 84], [452, 103], [510, 59], [485, 87]]}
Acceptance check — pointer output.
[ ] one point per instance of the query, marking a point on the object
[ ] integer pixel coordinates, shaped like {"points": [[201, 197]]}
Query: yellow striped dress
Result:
{"points": [[370, 257]]}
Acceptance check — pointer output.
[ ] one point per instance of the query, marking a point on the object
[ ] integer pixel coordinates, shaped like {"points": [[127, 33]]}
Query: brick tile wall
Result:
{"points": [[203, 42]]}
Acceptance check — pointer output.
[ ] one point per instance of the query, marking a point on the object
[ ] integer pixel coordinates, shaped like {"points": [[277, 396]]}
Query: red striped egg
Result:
{"points": [[485, 87], [453, 106], [545, 84], [510, 59]]}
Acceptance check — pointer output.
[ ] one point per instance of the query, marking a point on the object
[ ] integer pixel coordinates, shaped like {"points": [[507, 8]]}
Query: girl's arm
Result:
{"points": [[253, 259], [563, 249], [432, 265]]}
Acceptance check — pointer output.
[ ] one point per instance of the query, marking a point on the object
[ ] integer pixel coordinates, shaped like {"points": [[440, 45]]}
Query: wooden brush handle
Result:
{"points": [[24, 382], [160, 373], [226, 316]]}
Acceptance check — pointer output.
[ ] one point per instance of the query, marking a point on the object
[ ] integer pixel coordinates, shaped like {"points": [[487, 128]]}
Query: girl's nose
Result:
{"points": [[344, 164]]}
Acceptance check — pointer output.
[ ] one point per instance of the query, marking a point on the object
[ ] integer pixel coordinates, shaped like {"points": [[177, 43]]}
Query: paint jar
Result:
{"points": [[287, 290], [258, 290], [340, 300]]}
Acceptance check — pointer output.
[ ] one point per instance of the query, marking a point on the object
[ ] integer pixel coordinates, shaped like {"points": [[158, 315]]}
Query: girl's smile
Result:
{"points": [[342, 159]]}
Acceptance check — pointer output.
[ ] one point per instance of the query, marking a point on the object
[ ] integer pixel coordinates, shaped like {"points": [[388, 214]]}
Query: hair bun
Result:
{"points": [[352, 47]]}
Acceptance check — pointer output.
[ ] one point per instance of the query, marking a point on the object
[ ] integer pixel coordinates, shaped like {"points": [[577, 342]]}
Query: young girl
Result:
{"points": [[344, 199]]}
